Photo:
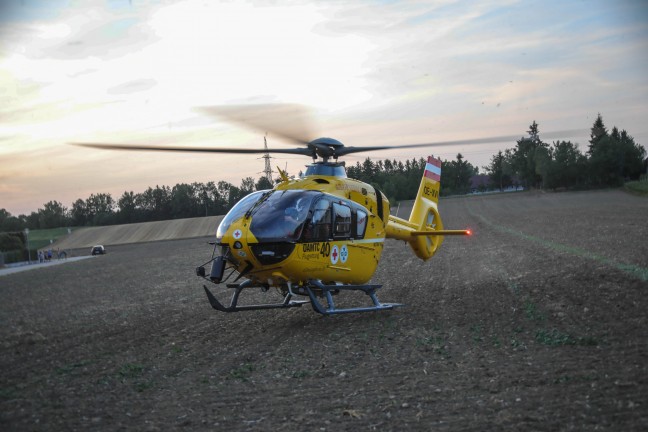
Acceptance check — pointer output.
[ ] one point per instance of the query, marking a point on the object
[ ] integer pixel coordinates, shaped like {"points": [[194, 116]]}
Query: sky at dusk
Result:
{"points": [[371, 73]]}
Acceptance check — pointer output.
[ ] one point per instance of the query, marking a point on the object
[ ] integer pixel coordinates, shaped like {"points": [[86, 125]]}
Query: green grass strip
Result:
{"points": [[631, 269], [638, 187]]}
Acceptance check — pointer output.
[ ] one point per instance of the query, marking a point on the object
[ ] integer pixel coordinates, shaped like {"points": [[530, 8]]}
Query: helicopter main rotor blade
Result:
{"points": [[489, 140], [289, 121], [107, 146]]}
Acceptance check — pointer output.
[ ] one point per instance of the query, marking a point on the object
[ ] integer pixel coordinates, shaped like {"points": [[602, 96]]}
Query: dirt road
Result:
{"points": [[536, 322]]}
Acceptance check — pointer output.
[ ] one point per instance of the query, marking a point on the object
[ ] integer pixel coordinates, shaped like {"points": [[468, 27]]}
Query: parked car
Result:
{"points": [[98, 250]]}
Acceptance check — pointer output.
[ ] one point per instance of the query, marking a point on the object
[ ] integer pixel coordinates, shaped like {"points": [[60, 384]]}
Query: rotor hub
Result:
{"points": [[325, 148]]}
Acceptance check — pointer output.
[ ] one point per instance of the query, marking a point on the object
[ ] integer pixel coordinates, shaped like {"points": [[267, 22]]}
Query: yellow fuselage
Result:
{"points": [[348, 257]]}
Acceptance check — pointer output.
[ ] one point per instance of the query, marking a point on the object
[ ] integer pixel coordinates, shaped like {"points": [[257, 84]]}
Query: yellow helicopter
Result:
{"points": [[318, 235]]}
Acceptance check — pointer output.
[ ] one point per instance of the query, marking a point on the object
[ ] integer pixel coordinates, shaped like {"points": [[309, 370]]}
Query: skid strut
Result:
{"points": [[233, 306], [327, 291]]}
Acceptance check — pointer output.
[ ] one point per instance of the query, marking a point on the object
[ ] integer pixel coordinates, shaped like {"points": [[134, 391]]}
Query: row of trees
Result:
{"points": [[400, 181], [159, 203], [396, 179], [163, 202], [611, 158]]}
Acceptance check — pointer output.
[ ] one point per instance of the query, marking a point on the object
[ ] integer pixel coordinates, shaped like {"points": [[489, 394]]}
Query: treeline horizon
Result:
{"points": [[611, 158]]}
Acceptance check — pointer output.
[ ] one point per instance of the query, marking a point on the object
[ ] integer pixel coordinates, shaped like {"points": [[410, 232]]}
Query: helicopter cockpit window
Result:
{"points": [[319, 227], [281, 217], [361, 223], [341, 221], [238, 211]]}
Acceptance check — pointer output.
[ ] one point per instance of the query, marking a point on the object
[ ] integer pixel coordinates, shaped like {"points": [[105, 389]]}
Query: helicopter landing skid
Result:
{"points": [[313, 289], [233, 306], [328, 290]]}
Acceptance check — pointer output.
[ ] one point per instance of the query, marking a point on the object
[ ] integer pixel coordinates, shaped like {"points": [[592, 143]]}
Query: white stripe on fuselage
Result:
{"points": [[376, 240], [433, 169]]}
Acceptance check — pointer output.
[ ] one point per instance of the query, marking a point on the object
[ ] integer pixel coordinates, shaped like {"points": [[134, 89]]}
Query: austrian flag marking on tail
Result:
{"points": [[433, 169], [431, 181]]}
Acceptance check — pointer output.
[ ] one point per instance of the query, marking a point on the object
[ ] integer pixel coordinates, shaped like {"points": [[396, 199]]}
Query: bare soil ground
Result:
{"points": [[536, 322]]}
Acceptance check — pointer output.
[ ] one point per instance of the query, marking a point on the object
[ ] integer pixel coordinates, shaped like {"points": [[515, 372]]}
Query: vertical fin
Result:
{"points": [[425, 213], [424, 216], [428, 193]]}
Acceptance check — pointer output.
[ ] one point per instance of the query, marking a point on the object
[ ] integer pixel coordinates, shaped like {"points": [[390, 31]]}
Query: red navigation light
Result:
{"points": [[468, 232]]}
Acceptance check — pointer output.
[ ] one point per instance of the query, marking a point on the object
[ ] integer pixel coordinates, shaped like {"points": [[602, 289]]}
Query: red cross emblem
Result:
{"points": [[237, 234], [334, 255]]}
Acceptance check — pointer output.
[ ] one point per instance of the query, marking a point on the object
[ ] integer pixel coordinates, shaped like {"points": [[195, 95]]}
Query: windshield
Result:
{"points": [[282, 215], [238, 211]]}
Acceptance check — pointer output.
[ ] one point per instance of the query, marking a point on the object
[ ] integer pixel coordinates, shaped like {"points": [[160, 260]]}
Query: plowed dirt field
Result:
{"points": [[536, 322]]}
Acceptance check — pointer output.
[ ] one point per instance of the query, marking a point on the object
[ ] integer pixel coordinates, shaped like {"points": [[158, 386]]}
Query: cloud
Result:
{"points": [[374, 73], [54, 30], [134, 86]]}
